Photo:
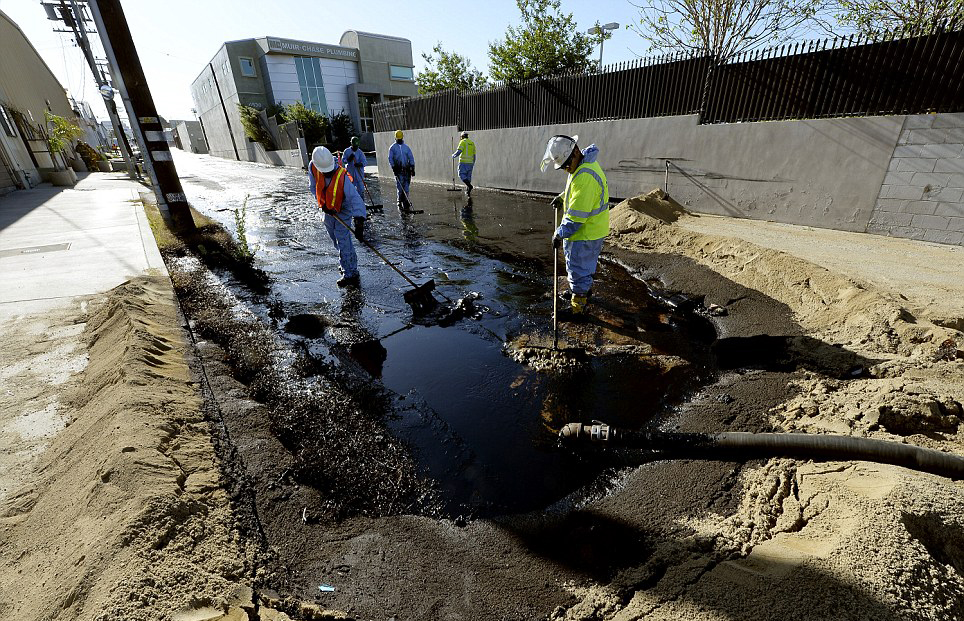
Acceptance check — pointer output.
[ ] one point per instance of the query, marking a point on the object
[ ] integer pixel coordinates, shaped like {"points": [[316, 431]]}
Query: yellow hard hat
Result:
{"points": [[398, 134]]}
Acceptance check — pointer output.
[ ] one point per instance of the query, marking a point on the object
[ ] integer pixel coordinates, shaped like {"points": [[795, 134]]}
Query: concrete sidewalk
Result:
{"points": [[60, 243]]}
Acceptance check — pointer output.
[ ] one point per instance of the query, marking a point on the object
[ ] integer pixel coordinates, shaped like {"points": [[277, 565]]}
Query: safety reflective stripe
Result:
{"points": [[603, 204], [331, 197], [467, 148]]}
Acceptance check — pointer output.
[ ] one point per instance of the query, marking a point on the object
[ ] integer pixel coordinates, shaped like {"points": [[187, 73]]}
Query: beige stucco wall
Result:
{"points": [[28, 85]]}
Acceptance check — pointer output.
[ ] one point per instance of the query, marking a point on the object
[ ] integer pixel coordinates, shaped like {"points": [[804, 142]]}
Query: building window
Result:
{"points": [[402, 73], [247, 67], [7, 122], [365, 115], [311, 84]]}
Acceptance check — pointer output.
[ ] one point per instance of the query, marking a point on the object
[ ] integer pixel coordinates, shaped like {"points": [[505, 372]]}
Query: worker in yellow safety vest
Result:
{"points": [[585, 222], [466, 154]]}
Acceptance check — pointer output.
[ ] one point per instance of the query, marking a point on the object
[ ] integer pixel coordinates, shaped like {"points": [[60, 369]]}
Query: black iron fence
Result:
{"points": [[895, 73]]}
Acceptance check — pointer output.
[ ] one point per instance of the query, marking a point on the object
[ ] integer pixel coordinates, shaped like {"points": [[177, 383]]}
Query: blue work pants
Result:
{"points": [[341, 238], [403, 182], [581, 259]]}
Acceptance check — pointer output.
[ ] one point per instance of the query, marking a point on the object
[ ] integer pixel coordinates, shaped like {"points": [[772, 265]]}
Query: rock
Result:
{"points": [[243, 597], [715, 310], [947, 351], [314, 612], [270, 614]]}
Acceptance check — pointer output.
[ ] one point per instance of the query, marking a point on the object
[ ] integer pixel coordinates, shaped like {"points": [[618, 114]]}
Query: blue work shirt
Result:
{"points": [[355, 161], [400, 155]]}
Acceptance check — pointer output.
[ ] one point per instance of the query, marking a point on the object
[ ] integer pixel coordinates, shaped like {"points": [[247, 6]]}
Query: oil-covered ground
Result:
{"points": [[481, 424], [458, 502]]}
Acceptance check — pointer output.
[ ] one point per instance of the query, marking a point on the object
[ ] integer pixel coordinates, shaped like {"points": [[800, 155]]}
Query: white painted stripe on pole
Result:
{"points": [[161, 156], [175, 197], [152, 136]]}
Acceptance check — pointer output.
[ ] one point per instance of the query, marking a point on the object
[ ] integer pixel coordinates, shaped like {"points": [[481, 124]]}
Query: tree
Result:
{"points": [[873, 17], [721, 28], [445, 70], [342, 128], [314, 125], [546, 43]]}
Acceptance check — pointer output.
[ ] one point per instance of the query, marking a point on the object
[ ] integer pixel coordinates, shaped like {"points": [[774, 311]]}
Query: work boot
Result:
{"points": [[359, 227], [566, 296], [575, 311], [346, 281]]}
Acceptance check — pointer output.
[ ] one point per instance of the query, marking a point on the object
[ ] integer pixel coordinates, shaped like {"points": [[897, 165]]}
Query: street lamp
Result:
{"points": [[601, 31]]}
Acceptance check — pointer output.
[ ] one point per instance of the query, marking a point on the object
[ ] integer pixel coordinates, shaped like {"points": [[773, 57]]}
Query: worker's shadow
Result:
{"points": [[787, 353], [629, 558]]}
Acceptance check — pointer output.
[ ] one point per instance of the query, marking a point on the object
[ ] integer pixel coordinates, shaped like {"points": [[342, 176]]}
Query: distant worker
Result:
{"points": [[466, 154], [585, 222], [354, 160], [327, 182], [402, 161]]}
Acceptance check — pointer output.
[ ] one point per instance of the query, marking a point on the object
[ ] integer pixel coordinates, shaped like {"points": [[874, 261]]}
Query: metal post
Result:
{"points": [[80, 33], [602, 41], [130, 80], [666, 179]]}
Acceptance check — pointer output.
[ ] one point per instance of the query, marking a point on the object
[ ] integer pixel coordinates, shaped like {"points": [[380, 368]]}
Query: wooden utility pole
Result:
{"points": [[129, 79], [73, 17]]}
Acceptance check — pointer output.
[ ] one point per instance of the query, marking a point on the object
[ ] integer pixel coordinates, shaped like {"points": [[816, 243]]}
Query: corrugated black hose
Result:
{"points": [[743, 446]]}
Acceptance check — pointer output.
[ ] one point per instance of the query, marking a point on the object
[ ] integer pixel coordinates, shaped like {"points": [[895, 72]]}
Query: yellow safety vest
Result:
{"points": [[468, 151], [587, 200]]}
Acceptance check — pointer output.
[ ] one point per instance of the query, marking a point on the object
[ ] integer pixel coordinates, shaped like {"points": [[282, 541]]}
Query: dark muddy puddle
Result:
{"points": [[482, 425]]}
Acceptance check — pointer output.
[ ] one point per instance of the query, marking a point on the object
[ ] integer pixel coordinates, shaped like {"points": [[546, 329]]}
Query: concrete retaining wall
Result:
{"points": [[921, 197], [827, 173]]}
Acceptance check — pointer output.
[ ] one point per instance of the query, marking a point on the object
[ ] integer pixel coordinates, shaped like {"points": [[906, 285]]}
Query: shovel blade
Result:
{"points": [[420, 298]]}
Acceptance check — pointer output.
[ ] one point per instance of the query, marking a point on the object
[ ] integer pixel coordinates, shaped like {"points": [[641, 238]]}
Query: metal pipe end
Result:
{"points": [[571, 431]]}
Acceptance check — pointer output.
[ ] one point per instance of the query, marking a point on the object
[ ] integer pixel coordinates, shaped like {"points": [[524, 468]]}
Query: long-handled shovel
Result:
{"points": [[555, 282], [373, 205], [420, 298], [407, 199]]}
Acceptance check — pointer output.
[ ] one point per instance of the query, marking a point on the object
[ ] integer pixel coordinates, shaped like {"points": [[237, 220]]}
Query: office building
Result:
{"points": [[364, 69]]}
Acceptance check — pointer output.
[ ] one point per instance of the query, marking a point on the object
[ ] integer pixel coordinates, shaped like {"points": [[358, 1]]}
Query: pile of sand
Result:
{"points": [[643, 212], [838, 309], [124, 516]]}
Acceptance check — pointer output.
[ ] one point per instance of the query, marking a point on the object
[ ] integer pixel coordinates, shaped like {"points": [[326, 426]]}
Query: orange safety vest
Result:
{"points": [[330, 198]]}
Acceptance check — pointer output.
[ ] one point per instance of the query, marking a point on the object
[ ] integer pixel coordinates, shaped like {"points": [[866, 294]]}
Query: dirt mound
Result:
{"points": [[838, 309], [125, 517], [637, 213]]}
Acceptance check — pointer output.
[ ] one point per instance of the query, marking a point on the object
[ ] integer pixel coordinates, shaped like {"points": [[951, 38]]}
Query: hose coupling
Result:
{"points": [[596, 432]]}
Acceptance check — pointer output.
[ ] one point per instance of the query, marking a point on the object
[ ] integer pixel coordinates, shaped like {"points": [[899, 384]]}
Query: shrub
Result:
{"points": [[62, 133], [254, 128], [314, 126], [89, 154]]}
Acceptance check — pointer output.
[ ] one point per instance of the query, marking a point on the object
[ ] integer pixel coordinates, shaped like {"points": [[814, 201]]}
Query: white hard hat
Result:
{"points": [[558, 151], [323, 159]]}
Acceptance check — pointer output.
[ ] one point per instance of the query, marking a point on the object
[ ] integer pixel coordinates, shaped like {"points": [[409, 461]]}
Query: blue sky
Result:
{"points": [[175, 38]]}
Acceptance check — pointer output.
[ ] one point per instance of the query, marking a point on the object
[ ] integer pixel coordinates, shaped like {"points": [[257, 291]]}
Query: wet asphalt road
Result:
{"points": [[483, 426]]}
